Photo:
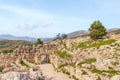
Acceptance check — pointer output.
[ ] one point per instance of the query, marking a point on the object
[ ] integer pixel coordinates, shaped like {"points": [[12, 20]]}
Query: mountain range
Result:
{"points": [[69, 35]]}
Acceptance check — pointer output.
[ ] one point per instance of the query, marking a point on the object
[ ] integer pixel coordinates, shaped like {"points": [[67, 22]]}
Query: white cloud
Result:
{"points": [[29, 27], [44, 19], [26, 12]]}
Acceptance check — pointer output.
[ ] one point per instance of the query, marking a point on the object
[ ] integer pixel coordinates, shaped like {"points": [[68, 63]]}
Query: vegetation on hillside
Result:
{"points": [[87, 61], [7, 51], [12, 44], [24, 64], [39, 41], [97, 30], [1, 69], [110, 73], [63, 54], [97, 44]]}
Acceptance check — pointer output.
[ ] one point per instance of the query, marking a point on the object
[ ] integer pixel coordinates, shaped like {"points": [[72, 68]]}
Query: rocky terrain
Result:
{"points": [[80, 58], [84, 59]]}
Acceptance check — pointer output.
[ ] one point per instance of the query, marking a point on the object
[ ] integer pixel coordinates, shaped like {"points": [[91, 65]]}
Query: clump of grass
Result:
{"points": [[63, 65], [24, 64], [1, 69], [84, 72], [74, 77], [7, 51], [66, 72], [97, 71], [87, 61], [115, 63], [110, 72], [113, 72], [63, 54], [63, 43], [97, 44]]}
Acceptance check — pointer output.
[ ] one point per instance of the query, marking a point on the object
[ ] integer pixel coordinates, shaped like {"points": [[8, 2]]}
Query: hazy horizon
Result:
{"points": [[46, 18]]}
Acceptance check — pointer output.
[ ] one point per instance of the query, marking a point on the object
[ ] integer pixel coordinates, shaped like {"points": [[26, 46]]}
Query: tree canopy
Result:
{"points": [[39, 41], [97, 30]]}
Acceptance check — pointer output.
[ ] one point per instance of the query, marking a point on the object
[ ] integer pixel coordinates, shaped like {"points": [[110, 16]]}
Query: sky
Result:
{"points": [[47, 18]]}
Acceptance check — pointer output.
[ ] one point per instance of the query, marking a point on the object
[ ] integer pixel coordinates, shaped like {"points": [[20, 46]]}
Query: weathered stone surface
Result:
{"points": [[31, 75], [117, 77], [107, 58]]}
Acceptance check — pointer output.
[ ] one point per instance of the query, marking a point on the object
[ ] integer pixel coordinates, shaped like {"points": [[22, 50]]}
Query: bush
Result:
{"points": [[96, 44], [24, 64], [63, 54], [63, 65], [74, 77], [7, 51], [97, 30], [39, 41], [1, 69], [66, 72], [87, 61], [110, 72]]}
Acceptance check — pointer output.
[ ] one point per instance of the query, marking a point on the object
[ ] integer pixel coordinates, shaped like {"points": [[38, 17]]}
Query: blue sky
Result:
{"points": [[46, 18]]}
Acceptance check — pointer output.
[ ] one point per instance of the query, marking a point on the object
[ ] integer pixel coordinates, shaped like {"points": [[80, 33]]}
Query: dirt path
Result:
{"points": [[51, 74]]}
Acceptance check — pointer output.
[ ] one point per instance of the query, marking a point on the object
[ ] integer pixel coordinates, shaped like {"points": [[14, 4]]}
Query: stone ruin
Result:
{"points": [[32, 54]]}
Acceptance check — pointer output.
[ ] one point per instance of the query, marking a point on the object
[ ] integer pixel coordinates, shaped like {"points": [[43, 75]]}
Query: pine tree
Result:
{"points": [[97, 30]]}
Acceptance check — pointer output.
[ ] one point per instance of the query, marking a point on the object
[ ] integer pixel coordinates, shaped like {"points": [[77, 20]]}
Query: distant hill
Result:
{"points": [[69, 35], [85, 32], [12, 44], [46, 39], [11, 37], [114, 30], [77, 33]]}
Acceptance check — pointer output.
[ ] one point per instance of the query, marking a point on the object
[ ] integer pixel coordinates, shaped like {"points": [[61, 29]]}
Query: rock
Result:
{"points": [[30, 75], [117, 77]]}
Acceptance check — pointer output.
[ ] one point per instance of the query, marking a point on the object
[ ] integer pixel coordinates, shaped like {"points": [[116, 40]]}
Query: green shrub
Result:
{"points": [[1, 69], [84, 72], [24, 64], [113, 72], [39, 41], [97, 71], [97, 30], [74, 77], [110, 72], [63, 54], [87, 61], [63, 65], [63, 43], [66, 72], [7, 51], [97, 44]]}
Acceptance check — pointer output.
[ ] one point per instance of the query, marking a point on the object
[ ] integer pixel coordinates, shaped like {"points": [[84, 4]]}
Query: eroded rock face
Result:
{"points": [[30, 75], [117, 77], [106, 57], [105, 67]]}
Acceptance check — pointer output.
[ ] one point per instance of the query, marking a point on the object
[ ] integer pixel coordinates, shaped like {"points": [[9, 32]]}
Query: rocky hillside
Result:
{"points": [[80, 58], [84, 59], [12, 44]]}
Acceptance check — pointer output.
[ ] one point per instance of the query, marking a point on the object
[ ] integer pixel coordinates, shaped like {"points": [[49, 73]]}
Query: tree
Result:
{"points": [[39, 41], [97, 30], [64, 36], [58, 36]]}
